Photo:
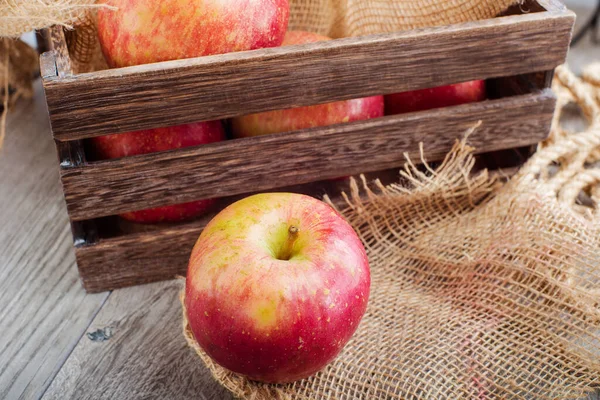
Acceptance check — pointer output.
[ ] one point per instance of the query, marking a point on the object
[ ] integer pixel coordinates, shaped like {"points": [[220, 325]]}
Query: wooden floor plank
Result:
{"points": [[146, 357], [43, 307]]}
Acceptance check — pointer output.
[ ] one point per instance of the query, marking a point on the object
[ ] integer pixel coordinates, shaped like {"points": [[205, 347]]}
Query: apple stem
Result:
{"points": [[288, 246]]}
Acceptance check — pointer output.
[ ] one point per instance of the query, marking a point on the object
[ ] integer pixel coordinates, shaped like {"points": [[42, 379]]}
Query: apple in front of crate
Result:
{"points": [[161, 139], [277, 284], [441, 96], [133, 32], [311, 116]]}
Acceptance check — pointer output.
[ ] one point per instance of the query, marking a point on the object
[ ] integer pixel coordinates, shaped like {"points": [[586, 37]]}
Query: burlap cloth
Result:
{"points": [[479, 290]]}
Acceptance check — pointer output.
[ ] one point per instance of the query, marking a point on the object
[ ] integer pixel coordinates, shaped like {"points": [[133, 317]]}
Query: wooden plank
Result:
{"points": [[223, 169], [223, 86], [43, 308], [146, 357], [138, 258]]}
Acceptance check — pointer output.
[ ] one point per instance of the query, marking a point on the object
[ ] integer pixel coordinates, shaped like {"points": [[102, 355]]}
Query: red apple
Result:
{"points": [[442, 96], [277, 284], [146, 31], [307, 117], [161, 139]]}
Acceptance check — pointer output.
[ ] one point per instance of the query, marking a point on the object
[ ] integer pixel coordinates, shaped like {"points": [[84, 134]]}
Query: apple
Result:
{"points": [[307, 117], [137, 32], [161, 139], [441, 96], [277, 284]]}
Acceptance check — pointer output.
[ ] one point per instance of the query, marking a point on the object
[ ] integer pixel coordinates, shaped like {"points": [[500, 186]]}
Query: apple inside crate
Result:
{"points": [[515, 54]]}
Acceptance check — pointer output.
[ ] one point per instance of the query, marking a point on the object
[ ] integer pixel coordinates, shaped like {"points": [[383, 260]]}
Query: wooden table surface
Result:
{"points": [[46, 316]]}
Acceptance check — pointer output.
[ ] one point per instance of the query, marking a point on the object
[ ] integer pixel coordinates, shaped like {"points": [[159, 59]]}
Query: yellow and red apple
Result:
{"points": [[441, 96], [311, 116], [161, 139], [277, 284], [135, 32]]}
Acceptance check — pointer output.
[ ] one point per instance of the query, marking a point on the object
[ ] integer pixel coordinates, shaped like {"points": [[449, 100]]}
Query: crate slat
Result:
{"points": [[222, 86], [137, 258], [261, 163]]}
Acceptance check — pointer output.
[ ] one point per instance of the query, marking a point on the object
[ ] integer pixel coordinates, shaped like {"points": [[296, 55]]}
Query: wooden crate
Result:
{"points": [[516, 53]]}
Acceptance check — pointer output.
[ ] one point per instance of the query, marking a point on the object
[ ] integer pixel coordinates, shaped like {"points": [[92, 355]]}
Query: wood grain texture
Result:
{"points": [[43, 308], [138, 258], [146, 358], [261, 163], [223, 86]]}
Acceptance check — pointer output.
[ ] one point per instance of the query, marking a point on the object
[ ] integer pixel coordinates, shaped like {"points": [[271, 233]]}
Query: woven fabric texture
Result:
{"points": [[21, 16], [342, 18], [334, 17]]}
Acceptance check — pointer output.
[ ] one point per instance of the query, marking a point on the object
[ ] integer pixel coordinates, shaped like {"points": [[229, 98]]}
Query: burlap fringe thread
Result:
{"points": [[20, 16], [478, 291]]}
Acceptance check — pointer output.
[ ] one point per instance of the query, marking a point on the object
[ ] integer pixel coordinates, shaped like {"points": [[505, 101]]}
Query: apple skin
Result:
{"points": [[270, 319], [147, 31], [161, 139], [441, 96], [311, 116]]}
